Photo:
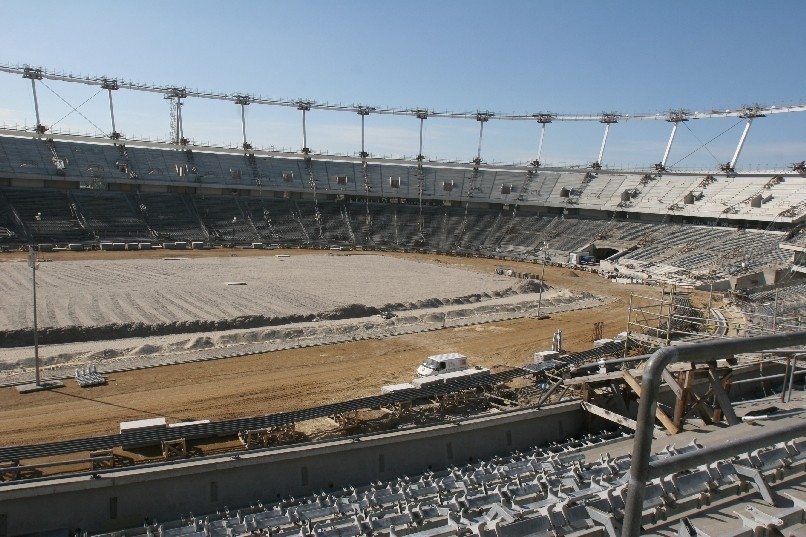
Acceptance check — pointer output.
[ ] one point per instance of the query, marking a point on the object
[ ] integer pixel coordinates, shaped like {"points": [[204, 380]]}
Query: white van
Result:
{"points": [[440, 364]]}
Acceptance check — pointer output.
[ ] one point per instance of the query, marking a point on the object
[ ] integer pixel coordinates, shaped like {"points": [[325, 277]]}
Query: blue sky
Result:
{"points": [[512, 57]]}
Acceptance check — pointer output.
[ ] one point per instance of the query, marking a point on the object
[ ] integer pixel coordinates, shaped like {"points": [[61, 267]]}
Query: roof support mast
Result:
{"points": [[422, 115], [482, 118], [608, 119], [543, 119], [675, 116], [243, 101], [304, 107], [34, 75], [110, 86], [364, 111], [178, 94], [749, 113]]}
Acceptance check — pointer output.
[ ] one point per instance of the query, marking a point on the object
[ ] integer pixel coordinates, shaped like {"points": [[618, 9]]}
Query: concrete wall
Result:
{"points": [[123, 498]]}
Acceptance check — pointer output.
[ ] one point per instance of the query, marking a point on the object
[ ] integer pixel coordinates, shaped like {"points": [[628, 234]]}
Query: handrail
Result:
{"points": [[660, 359]]}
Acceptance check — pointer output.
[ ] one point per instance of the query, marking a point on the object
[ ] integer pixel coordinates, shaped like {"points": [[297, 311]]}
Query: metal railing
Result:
{"points": [[660, 359]]}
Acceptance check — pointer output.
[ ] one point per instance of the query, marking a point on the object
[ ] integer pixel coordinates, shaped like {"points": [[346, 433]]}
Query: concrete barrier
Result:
{"points": [[166, 491]]}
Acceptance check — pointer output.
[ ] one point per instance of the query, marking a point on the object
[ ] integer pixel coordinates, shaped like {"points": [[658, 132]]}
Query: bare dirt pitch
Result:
{"points": [[300, 378], [176, 288]]}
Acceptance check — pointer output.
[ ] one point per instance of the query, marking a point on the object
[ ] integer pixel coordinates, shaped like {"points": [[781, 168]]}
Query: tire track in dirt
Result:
{"points": [[144, 308], [71, 312]]}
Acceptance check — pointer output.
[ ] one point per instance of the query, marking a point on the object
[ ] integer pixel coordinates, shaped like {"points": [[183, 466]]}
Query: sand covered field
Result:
{"points": [[167, 290]]}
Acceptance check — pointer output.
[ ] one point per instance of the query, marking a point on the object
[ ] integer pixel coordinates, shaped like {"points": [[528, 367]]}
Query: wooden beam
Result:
{"points": [[721, 396], [680, 404], [701, 407], [615, 418], [659, 413], [670, 380], [616, 375]]}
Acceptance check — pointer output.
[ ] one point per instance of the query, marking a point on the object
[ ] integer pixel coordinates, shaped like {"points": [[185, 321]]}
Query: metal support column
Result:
{"points": [[608, 119], [669, 146], [540, 145], [179, 130], [110, 86], [749, 113], [36, 104], [243, 101], [422, 115], [604, 142], [364, 111], [542, 279], [304, 107], [675, 117], [543, 119], [34, 75], [32, 264], [482, 118], [741, 143]]}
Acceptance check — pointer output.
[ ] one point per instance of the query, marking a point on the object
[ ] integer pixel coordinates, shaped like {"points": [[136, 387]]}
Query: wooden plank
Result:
{"points": [[673, 385], [659, 413], [592, 379], [610, 416], [721, 396], [680, 404], [616, 418], [616, 375]]}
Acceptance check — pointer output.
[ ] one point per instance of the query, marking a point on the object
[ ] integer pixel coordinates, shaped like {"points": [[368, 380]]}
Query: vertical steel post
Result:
{"points": [[481, 132], [305, 132], [542, 281], [243, 123], [420, 152], [363, 153], [32, 263], [180, 133]]}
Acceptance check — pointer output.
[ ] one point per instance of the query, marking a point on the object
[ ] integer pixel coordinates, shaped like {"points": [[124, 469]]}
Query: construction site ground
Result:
{"points": [[300, 378]]}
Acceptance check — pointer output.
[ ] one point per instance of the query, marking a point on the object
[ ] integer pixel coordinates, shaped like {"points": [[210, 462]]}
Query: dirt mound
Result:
{"points": [[198, 343], [146, 349], [350, 311], [529, 286]]}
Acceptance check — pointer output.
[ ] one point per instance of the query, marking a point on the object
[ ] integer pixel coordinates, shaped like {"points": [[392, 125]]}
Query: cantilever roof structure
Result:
{"points": [[114, 83]]}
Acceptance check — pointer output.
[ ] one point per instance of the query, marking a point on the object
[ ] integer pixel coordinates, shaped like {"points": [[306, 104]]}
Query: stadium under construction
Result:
{"points": [[689, 423]]}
